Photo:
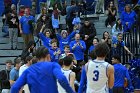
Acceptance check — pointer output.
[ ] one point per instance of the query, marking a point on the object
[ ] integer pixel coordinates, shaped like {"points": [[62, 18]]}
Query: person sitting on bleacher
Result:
{"points": [[128, 18]]}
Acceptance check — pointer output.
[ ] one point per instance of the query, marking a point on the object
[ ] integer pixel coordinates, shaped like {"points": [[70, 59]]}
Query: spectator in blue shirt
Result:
{"points": [[42, 76], [54, 51], [92, 47], [45, 38], [14, 73], [121, 75], [128, 18], [64, 38], [77, 48], [119, 44], [25, 26]]}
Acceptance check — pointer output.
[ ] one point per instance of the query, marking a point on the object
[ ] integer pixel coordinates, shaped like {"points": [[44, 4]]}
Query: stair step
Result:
{"points": [[10, 53], [3, 59], [8, 46], [6, 40]]}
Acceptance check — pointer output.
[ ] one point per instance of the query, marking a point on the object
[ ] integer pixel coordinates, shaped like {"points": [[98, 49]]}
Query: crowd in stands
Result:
{"points": [[70, 44]]}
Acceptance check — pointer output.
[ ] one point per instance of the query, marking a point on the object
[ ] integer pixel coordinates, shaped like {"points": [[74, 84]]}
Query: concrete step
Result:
{"points": [[8, 46], [3, 59], [6, 40], [10, 53]]}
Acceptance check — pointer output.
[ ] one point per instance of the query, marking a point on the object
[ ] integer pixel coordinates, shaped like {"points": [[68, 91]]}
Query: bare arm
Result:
{"points": [[72, 79], [11, 82], [20, 28], [127, 50], [110, 76]]}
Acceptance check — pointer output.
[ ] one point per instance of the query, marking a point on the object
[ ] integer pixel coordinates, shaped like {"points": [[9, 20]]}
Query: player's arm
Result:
{"points": [[83, 80], [72, 79], [110, 76]]}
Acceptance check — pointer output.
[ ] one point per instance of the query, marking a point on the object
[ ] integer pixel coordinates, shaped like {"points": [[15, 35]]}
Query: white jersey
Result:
{"points": [[67, 75], [97, 80]]}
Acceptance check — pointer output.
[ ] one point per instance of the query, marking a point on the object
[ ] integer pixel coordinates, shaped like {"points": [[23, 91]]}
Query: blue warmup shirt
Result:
{"points": [[121, 72], [41, 78], [46, 40], [78, 51], [24, 24], [54, 58], [64, 41]]}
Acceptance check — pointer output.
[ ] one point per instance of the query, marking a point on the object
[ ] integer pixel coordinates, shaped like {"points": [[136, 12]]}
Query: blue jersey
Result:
{"points": [[120, 74], [41, 78]]}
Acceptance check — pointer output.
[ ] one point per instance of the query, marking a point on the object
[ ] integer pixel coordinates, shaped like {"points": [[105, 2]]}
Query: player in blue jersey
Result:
{"points": [[97, 75], [42, 76], [121, 75]]}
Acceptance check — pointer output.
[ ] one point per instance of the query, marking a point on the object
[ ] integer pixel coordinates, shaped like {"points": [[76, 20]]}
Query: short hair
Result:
{"points": [[101, 50], [17, 60], [8, 61], [28, 58], [66, 46], [67, 61], [73, 2], [41, 52], [53, 41], [116, 56]]}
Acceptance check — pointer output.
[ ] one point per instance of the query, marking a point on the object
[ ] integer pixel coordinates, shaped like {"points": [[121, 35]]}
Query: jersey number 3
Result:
{"points": [[96, 75]]}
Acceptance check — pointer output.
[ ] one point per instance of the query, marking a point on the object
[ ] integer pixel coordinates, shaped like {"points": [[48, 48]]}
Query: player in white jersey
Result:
{"points": [[97, 75], [70, 75]]}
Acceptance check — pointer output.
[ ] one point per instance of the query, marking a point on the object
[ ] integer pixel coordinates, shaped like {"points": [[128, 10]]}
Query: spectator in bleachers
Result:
{"points": [[21, 11], [87, 32], [13, 22], [112, 12], [92, 47], [121, 6], [117, 28], [43, 12], [26, 28], [70, 15], [4, 77], [78, 48], [43, 20], [55, 16], [45, 37], [121, 75], [55, 52], [128, 18], [14, 73], [64, 38], [106, 39], [119, 44]]}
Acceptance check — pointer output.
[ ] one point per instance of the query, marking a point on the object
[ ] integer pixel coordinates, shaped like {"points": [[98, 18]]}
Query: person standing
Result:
{"points": [[97, 74], [78, 48], [42, 76], [4, 77], [13, 23], [25, 26], [121, 75], [70, 75]]}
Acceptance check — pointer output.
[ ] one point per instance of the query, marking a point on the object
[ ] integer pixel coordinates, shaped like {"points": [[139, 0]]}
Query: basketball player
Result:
{"points": [[70, 75], [41, 77], [97, 75]]}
